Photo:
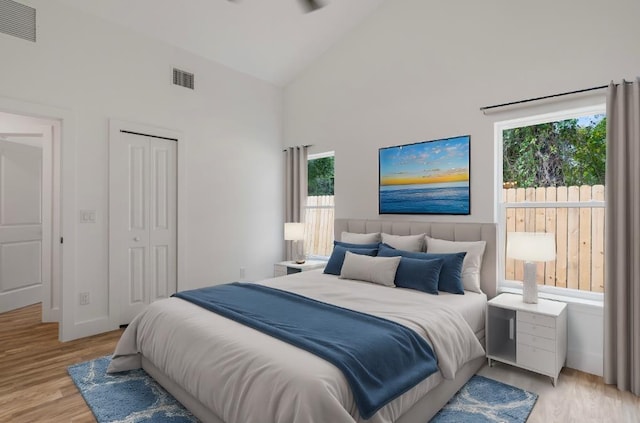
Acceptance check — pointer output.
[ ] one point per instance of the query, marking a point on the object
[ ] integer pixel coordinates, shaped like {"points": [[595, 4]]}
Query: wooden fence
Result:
{"points": [[579, 234], [318, 234]]}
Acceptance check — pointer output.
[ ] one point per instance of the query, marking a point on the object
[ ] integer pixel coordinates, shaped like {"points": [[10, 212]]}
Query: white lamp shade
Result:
{"points": [[531, 246], [293, 231]]}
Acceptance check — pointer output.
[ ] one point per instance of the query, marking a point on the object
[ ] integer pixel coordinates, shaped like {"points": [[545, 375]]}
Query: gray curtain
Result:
{"points": [[622, 238], [295, 188]]}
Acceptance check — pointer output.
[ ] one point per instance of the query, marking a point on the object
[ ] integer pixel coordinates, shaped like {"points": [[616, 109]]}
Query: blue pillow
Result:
{"points": [[419, 274], [349, 245], [334, 265], [450, 279]]}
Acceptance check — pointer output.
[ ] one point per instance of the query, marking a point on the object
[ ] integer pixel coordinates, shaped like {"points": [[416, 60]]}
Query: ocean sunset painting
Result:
{"points": [[429, 177]]}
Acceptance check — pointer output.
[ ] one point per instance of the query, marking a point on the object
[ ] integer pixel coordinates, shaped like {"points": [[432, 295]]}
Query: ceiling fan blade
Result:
{"points": [[311, 5], [308, 5]]}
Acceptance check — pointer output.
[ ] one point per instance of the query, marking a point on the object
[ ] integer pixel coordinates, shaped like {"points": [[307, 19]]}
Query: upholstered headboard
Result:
{"points": [[450, 231]]}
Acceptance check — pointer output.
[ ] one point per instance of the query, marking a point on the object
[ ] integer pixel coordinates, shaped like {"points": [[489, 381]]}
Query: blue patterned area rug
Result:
{"points": [[127, 397], [134, 397], [486, 400]]}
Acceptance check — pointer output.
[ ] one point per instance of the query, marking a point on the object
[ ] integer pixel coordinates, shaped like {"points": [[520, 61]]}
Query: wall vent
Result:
{"points": [[18, 20], [182, 78]]}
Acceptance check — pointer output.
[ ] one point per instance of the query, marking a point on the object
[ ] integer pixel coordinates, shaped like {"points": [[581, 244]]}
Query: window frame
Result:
{"points": [[315, 156], [505, 285]]}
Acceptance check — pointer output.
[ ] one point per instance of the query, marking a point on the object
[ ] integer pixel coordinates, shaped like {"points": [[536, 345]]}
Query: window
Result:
{"points": [[319, 213], [553, 170]]}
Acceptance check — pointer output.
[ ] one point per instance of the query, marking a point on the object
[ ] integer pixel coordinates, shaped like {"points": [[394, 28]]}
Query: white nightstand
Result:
{"points": [[288, 267], [530, 336]]}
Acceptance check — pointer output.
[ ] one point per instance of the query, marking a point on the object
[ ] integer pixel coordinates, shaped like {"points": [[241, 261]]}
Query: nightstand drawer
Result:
{"points": [[536, 330], [536, 319], [537, 341], [536, 358]]}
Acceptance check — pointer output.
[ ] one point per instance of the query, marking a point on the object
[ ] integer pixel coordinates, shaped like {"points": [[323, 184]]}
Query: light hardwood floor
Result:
{"points": [[34, 384], [35, 387]]}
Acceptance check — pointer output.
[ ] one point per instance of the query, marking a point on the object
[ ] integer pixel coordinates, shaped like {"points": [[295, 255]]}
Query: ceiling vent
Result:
{"points": [[18, 20], [182, 78]]}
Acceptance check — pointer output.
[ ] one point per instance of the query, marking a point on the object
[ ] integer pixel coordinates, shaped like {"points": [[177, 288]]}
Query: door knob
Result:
{"points": [[136, 238]]}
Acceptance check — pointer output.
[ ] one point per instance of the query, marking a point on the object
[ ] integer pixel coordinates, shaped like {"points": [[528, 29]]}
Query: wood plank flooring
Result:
{"points": [[35, 386]]}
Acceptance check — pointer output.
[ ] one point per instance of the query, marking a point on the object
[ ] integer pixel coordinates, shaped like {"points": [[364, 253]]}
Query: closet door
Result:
{"points": [[142, 223]]}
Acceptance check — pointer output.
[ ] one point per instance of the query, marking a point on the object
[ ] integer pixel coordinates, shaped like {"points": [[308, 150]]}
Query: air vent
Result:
{"points": [[182, 78], [18, 20]]}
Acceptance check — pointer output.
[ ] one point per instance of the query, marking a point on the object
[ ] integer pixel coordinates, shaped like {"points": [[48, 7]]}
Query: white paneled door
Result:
{"points": [[143, 221], [21, 219]]}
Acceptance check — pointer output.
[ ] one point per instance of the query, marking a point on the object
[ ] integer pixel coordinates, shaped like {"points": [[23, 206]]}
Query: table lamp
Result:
{"points": [[294, 232], [531, 247]]}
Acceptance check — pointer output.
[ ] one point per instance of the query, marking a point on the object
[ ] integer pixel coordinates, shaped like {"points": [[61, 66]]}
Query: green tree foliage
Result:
{"points": [[320, 176], [562, 153]]}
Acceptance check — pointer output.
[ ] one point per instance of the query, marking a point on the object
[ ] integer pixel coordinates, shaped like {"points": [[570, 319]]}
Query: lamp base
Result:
{"points": [[530, 286], [300, 261]]}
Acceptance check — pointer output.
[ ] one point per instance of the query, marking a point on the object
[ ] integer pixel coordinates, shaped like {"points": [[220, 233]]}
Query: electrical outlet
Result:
{"points": [[84, 298], [242, 273]]}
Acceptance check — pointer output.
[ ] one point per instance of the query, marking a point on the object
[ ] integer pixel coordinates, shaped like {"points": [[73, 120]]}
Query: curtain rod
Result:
{"points": [[495, 106], [294, 146]]}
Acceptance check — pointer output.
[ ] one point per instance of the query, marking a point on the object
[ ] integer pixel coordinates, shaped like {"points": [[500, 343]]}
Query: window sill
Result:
{"points": [[569, 299]]}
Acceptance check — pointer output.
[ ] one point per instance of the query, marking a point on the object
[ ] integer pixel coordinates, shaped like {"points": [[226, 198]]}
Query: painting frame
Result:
{"points": [[427, 177]]}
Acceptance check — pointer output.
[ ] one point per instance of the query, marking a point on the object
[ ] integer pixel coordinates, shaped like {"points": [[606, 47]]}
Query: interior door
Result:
{"points": [[21, 264], [142, 210]]}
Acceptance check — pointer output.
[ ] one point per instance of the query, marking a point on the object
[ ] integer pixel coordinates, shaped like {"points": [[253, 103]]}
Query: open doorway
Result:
{"points": [[30, 214]]}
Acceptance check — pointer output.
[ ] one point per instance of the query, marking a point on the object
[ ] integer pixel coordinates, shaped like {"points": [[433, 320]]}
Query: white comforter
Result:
{"points": [[243, 375]]}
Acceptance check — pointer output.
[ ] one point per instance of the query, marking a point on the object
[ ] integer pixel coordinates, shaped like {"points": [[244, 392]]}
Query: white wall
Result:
{"points": [[231, 127], [419, 70]]}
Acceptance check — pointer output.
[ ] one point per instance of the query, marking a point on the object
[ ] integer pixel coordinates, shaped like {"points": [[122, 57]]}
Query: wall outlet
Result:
{"points": [[243, 272], [85, 299]]}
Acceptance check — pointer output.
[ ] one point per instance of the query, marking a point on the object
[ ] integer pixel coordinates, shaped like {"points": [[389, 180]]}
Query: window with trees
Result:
{"points": [[553, 175], [319, 213]]}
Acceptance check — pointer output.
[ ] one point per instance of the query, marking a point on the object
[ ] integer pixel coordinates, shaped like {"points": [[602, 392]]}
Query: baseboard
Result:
{"points": [[20, 297], [87, 328], [585, 362]]}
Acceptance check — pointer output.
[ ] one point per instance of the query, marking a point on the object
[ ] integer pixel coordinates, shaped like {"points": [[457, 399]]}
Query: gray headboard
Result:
{"points": [[450, 231]]}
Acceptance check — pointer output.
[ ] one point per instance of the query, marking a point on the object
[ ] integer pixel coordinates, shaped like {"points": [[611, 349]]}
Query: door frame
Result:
{"points": [[115, 126], [64, 170], [48, 131]]}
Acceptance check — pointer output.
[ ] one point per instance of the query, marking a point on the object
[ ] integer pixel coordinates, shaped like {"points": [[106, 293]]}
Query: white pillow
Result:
{"points": [[472, 260], [380, 270], [354, 238], [405, 242]]}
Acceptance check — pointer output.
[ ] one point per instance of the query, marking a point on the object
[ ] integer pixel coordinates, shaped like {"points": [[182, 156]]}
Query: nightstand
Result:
{"points": [[530, 336], [288, 267]]}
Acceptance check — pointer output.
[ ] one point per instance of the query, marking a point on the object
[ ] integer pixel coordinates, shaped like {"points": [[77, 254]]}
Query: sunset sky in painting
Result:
{"points": [[442, 161]]}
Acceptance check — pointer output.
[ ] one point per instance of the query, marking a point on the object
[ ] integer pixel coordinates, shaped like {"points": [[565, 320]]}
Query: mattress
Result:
{"points": [[243, 375]]}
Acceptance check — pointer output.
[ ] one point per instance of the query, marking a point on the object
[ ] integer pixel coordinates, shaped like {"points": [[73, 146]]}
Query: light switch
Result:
{"points": [[87, 216]]}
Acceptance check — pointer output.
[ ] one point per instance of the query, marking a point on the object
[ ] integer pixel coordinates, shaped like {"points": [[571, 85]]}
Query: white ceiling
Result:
{"points": [[272, 40]]}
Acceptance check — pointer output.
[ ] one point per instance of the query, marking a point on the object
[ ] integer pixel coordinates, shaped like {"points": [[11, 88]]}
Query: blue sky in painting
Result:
{"points": [[426, 162]]}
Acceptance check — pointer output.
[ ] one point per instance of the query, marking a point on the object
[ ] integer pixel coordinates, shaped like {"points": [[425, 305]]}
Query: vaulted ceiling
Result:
{"points": [[272, 40]]}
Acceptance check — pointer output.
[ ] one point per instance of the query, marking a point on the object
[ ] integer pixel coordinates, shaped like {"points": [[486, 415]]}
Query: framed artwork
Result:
{"points": [[428, 177]]}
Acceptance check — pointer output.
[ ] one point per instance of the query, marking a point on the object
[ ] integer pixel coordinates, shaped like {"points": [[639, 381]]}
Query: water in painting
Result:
{"points": [[430, 177]]}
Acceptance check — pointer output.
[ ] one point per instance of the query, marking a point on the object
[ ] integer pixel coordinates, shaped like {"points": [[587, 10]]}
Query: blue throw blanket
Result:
{"points": [[380, 359]]}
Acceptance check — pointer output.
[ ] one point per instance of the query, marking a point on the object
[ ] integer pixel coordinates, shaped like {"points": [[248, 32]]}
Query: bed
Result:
{"points": [[242, 375]]}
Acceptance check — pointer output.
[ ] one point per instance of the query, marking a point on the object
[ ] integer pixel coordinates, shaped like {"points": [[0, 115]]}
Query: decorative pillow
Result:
{"points": [[450, 275], [334, 265], [472, 261], [380, 270], [349, 245], [404, 242], [419, 274], [355, 238]]}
